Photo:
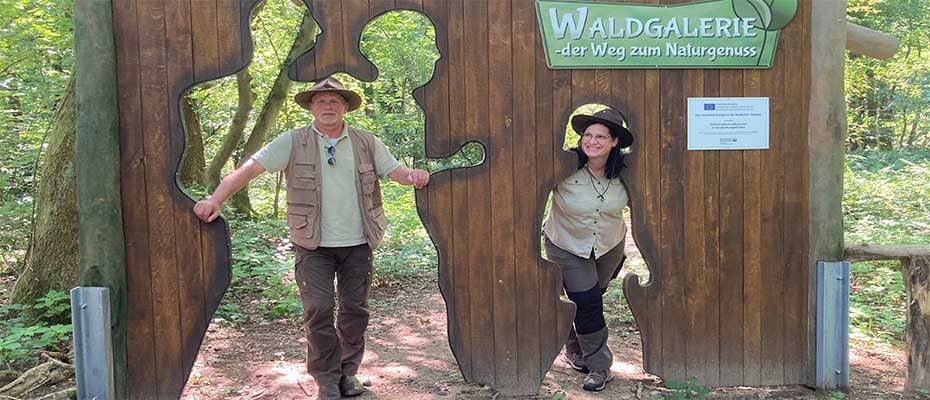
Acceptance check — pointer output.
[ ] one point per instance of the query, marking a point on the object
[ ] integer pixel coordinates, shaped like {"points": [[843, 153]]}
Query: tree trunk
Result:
{"points": [[53, 255], [272, 106], [192, 168], [917, 279], [236, 129], [913, 134], [903, 127]]}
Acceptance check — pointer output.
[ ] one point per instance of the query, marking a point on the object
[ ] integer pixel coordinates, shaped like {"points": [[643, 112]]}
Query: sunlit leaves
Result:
{"points": [[887, 100], [36, 60]]}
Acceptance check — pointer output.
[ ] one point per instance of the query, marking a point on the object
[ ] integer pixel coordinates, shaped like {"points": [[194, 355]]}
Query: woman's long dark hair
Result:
{"points": [[614, 160]]}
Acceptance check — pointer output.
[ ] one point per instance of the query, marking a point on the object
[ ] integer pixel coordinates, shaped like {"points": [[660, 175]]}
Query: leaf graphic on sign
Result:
{"points": [[782, 13], [757, 9], [770, 15]]}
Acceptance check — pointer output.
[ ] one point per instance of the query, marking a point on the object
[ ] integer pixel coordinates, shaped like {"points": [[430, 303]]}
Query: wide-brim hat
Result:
{"points": [[329, 85], [611, 118]]}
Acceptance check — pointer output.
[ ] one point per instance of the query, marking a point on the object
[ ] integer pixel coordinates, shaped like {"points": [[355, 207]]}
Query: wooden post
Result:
{"points": [[96, 161], [827, 121], [915, 266], [916, 271], [868, 42]]}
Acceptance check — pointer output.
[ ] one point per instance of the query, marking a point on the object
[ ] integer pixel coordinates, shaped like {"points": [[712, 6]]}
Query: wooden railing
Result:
{"points": [[915, 266]]}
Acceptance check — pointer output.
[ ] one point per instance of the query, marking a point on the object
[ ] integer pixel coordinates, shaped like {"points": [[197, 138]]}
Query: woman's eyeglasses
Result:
{"points": [[590, 137], [332, 155]]}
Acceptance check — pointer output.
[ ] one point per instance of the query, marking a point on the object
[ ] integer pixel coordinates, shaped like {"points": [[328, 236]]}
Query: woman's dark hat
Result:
{"points": [[611, 118], [329, 85]]}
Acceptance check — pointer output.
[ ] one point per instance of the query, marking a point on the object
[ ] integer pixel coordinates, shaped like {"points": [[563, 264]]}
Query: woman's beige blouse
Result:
{"points": [[580, 222]]}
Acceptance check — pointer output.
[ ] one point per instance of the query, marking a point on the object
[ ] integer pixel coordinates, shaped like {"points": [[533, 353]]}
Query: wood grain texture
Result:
{"points": [[725, 234], [177, 268], [730, 279]]}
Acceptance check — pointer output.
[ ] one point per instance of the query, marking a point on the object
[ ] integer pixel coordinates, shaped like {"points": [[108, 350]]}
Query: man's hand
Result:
{"points": [[418, 178], [206, 210], [410, 176]]}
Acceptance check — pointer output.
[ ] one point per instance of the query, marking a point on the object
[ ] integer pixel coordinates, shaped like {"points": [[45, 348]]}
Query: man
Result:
{"points": [[336, 219]]}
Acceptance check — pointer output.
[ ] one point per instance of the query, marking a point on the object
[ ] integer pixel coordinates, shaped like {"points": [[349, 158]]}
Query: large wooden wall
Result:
{"points": [[177, 269], [724, 233], [506, 322]]}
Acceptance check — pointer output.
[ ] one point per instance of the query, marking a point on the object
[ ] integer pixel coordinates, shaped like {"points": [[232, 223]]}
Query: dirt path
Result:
{"points": [[408, 358]]}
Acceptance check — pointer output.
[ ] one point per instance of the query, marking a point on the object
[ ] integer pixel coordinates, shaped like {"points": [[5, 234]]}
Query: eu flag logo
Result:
{"points": [[709, 107]]}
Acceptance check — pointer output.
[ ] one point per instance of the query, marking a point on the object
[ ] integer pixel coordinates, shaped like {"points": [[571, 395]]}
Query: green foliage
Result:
{"points": [[262, 268], [561, 393], [837, 395], [887, 197], [689, 389], [229, 314], [887, 100], [617, 311], [274, 27], [27, 329], [406, 251], [36, 60], [402, 45], [877, 302], [885, 202], [15, 222]]}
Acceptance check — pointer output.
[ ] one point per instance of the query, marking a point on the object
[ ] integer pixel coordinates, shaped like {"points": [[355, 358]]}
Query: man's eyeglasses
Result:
{"points": [[332, 155]]}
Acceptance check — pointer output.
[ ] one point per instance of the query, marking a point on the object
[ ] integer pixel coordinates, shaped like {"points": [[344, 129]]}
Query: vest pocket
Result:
{"points": [[301, 220], [304, 177], [368, 177]]}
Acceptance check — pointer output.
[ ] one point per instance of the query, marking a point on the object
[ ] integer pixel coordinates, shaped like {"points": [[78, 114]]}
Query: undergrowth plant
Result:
{"points": [[886, 202], [262, 269], [688, 389], [406, 251], [263, 258], [27, 329]]}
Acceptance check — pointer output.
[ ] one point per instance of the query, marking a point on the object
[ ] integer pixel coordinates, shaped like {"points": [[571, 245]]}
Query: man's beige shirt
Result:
{"points": [[340, 217], [580, 222]]}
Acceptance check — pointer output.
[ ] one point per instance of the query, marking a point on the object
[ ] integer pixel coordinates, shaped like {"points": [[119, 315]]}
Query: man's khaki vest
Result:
{"points": [[304, 197]]}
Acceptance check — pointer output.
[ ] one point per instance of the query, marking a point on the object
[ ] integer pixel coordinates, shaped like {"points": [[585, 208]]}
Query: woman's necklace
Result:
{"points": [[600, 194]]}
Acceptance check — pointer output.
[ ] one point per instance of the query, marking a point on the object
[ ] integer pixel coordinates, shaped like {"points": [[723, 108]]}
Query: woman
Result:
{"points": [[584, 235]]}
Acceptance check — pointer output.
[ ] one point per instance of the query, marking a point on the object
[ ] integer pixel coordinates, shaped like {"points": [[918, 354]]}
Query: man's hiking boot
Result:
{"points": [[349, 386], [327, 392], [597, 380], [575, 360]]}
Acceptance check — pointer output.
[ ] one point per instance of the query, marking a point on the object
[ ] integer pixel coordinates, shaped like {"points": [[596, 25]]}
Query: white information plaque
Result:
{"points": [[728, 123]]}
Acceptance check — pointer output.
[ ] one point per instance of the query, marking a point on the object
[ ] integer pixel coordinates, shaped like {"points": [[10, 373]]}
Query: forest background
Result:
{"points": [[887, 175]]}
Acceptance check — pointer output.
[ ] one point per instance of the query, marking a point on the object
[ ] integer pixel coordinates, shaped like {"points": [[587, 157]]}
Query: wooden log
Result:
{"points": [[868, 42], [917, 279], [97, 161], [870, 252], [66, 394], [45, 374], [915, 266], [827, 133]]}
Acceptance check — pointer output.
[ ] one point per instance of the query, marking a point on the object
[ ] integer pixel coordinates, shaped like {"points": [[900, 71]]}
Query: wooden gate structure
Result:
{"points": [[729, 237]]}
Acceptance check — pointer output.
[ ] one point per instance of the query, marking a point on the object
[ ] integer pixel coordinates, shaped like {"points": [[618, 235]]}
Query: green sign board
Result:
{"points": [[708, 34]]}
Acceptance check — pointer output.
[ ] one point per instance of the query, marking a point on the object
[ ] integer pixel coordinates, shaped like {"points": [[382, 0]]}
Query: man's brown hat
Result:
{"points": [[329, 85]]}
